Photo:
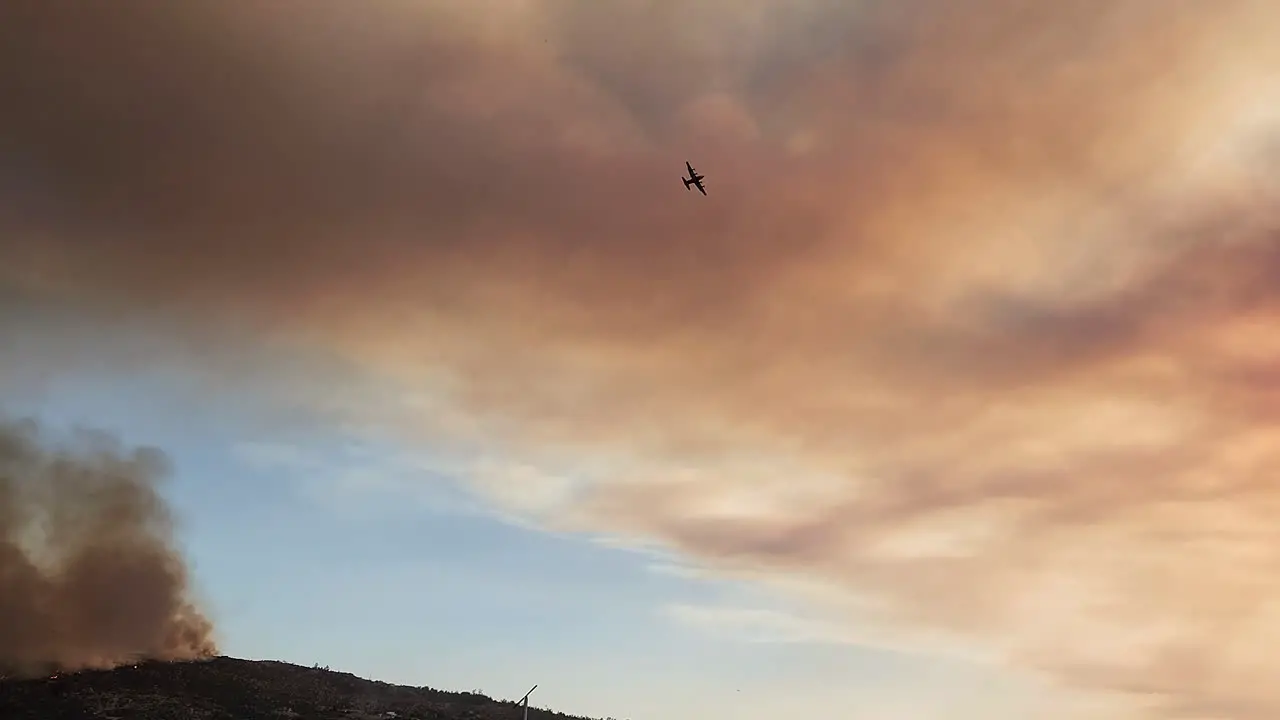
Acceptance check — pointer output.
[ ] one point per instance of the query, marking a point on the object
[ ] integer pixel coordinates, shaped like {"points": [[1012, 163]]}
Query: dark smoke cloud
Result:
{"points": [[89, 575]]}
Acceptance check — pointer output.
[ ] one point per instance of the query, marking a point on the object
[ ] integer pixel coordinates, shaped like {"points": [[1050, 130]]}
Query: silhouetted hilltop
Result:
{"points": [[225, 688]]}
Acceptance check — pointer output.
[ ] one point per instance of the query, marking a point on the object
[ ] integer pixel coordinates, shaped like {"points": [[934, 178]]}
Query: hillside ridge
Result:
{"points": [[227, 688]]}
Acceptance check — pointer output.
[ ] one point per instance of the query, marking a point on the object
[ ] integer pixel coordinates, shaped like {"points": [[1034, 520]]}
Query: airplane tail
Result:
{"points": [[687, 182]]}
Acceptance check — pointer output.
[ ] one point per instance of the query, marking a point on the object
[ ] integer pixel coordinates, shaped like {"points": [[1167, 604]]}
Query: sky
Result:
{"points": [[953, 398]]}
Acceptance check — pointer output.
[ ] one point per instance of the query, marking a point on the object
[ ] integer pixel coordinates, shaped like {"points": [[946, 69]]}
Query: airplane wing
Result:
{"points": [[692, 172], [700, 188]]}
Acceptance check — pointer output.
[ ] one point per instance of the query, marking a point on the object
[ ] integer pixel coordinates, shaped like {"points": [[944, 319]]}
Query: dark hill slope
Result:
{"points": [[226, 688]]}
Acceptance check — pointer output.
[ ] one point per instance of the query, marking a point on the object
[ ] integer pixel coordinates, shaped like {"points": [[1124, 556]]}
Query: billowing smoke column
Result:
{"points": [[89, 577]]}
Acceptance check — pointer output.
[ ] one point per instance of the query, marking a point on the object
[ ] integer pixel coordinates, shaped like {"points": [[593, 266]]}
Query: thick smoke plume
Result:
{"points": [[89, 577]]}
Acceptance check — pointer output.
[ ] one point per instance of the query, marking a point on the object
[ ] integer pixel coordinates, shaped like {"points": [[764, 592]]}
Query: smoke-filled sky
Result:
{"points": [[967, 352]]}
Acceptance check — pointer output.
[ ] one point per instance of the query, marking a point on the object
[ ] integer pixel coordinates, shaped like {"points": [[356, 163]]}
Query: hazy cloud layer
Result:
{"points": [[973, 325], [89, 576]]}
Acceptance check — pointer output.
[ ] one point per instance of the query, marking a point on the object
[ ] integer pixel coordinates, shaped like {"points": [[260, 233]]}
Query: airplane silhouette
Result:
{"points": [[693, 179]]}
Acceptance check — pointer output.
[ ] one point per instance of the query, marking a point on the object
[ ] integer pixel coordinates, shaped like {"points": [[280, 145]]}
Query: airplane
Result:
{"points": [[693, 179]]}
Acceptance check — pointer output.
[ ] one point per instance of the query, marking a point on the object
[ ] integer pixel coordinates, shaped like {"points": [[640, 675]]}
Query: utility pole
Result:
{"points": [[525, 701]]}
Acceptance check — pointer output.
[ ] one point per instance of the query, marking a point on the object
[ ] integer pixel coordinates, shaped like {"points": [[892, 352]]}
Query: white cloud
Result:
{"points": [[755, 624]]}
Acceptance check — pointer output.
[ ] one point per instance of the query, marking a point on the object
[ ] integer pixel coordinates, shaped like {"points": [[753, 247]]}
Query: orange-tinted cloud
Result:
{"points": [[971, 324]]}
